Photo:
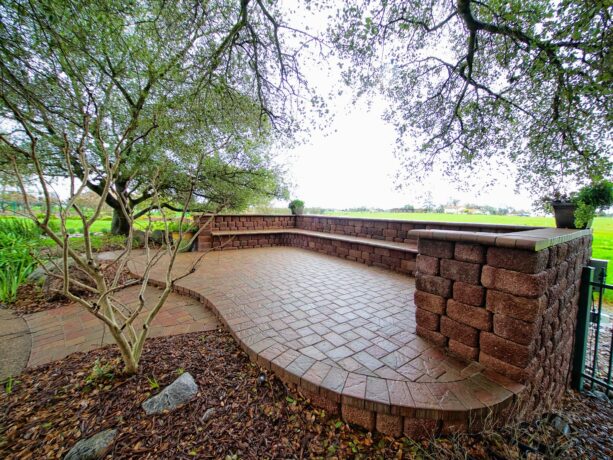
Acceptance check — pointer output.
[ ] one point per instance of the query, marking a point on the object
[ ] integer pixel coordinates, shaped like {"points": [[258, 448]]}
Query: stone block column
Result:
{"points": [[506, 301], [205, 239]]}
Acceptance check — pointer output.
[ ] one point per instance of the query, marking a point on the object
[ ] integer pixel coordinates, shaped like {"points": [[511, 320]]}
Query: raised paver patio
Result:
{"points": [[342, 331]]}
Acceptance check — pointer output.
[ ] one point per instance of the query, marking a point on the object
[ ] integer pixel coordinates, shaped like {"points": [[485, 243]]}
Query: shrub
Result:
{"points": [[55, 224], [19, 228], [16, 263], [590, 199], [187, 227], [296, 206]]}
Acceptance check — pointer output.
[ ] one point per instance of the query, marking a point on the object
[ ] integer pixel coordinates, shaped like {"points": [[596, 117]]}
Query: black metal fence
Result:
{"points": [[593, 359]]}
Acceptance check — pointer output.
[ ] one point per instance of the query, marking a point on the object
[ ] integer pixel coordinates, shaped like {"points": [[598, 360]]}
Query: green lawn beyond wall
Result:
{"points": [[602, 247], [603, 228]]}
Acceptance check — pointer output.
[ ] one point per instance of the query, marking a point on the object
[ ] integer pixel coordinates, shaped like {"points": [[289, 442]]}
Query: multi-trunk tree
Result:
{"points": [[155, 84], [153, 105]]}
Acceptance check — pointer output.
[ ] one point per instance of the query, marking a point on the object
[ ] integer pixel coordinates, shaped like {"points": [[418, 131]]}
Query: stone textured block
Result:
{"points": [[390, 425], [468, 293], [454, 427], [331, 407], [477, 317], [406, 265], [460, 271], [434, 285], [420, 428], [430, 302], [463, 351], [427, 265], [427, 319], [516, 330], [459, 332], [518, 260], [506, 350], [516, 283], [518, 307], [515, 373], [361, 417], [436, 338], [466, 252], [435, 248]]}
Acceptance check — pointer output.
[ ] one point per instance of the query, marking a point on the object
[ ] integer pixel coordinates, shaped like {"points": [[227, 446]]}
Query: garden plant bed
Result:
{"points": [[34, 298], [51, 407]]}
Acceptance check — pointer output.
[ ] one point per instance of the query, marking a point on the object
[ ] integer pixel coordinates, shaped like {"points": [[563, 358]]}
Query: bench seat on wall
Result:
{"points": [[391, 255]]}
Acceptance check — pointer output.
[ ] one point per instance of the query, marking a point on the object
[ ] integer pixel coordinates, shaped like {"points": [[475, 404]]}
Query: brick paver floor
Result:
{"points": [[57, 333], [336, 327], [15, 344]]}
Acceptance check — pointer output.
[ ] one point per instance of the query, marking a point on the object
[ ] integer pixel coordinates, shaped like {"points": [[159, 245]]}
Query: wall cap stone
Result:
{"points": [[530, 240], [397, 221]]}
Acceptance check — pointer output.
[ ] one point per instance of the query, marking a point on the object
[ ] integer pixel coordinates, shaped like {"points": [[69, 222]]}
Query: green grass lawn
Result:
{"points": [[98, 226], [603, 228], [602, 247]]}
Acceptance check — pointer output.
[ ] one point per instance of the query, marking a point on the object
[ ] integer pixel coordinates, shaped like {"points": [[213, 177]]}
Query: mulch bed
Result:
{"points": [[53, 406], [32, 298]]}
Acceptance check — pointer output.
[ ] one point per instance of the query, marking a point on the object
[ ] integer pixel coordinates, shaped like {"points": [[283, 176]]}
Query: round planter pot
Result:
{"points": [[564, 214]]}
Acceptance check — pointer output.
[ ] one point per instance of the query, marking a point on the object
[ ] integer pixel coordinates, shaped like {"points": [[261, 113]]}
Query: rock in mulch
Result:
{"points": [[600, 395], [249, 421], [177, 393], [208, 414], [92, 448], [560, 424]]}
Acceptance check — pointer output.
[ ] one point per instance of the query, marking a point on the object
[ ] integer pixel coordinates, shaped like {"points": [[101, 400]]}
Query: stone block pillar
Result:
{"points": [[506, 301]]}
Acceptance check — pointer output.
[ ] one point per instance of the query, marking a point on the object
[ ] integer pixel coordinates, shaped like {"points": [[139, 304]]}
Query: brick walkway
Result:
{"points": [[16, 343], [60, 332], [342, 331]]}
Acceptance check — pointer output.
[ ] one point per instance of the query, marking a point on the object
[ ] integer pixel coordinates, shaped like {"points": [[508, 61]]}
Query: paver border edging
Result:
{"points": [[469, 401]]}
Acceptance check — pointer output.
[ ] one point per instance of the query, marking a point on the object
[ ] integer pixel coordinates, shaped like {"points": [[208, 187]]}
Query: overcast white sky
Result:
{"points": [[352, 164]]}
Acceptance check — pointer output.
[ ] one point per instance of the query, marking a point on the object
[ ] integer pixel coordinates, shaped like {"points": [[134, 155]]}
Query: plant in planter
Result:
{"points": [[563, 209], [182, 232], [296, 206], [577, 210], [591, 199]]}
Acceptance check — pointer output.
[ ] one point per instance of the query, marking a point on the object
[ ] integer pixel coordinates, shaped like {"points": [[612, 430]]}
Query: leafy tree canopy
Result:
{"points": [[151, 87], [473, 82]]}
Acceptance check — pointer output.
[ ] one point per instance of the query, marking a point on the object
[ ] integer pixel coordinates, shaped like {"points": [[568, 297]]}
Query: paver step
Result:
{"points": [[343, 333]]}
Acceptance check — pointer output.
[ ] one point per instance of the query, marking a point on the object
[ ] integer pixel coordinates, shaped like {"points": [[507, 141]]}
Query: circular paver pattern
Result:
{"points": [[326, 323]]}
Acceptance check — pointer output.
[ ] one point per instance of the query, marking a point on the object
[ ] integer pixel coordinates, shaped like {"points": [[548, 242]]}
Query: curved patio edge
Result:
{"points": [[393, 407]]}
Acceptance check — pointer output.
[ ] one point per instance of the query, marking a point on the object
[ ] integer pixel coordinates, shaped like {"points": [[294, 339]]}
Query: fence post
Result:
{"points": [[583, 325]]}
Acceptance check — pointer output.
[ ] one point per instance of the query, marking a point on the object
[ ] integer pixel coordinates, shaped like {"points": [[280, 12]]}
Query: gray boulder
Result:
{"points": [[138, 239], [174, 395], [560, 424], [158, 236], [52, 286], [602, 396], [39, 274], [92, 448]]}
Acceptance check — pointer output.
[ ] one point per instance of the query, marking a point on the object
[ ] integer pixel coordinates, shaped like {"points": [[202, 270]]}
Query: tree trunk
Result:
{"points": [[120, 224]]}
